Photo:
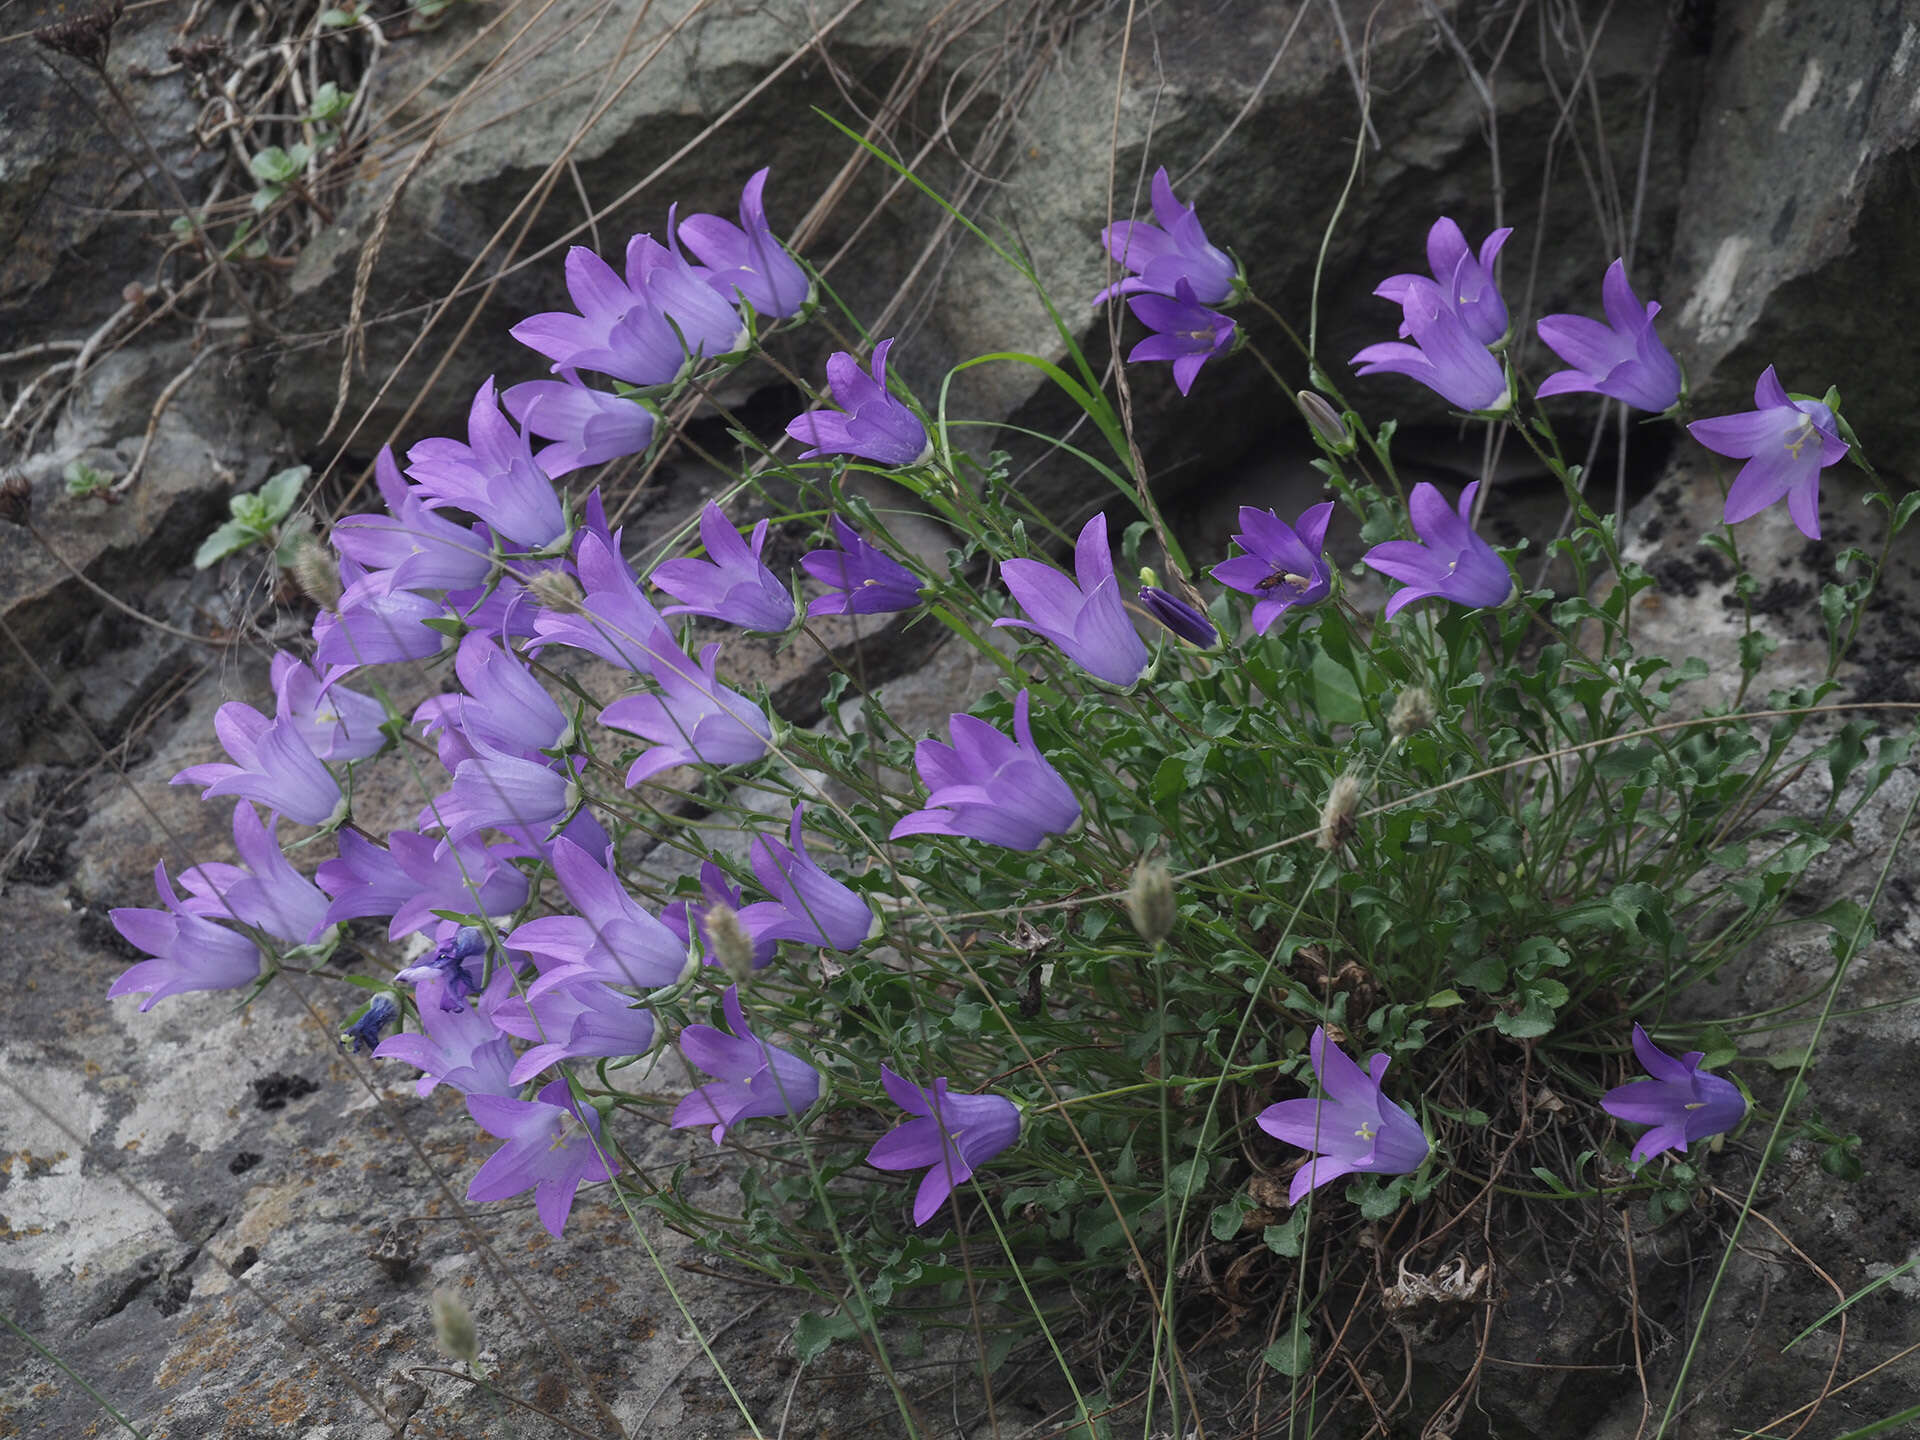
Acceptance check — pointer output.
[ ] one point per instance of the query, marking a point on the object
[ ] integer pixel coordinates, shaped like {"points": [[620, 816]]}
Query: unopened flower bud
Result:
{"points": [[557, 591], [315, 571], [1189, 623], [1150, 901], [1336, 816], [453, 1326], [1327, 422], [729, 942], [1412, 711]]}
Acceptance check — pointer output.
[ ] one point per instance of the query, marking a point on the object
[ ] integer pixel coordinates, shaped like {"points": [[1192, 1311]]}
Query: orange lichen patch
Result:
{"points": [[45, 1390], [205, 1341], [370, 1316], [642, 1327], [602, 1296]]}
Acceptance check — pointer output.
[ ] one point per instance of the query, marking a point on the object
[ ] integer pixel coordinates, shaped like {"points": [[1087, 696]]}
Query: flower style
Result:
{"points": [[1786, 444], [755, 1079], [455, 1045], [493, 476], [747, 259], [1087, 620], [189, 952], [1354, 1128], [1445, 356], [955, 1135], [337, 723], [874, 426], [1161, 256], [1189, 623], [1623, 359], [612, 939], [1185, 332], [733, 585], [420, 549], [417, 875], [1449, 560], [272, 765], [1285, 565], [552, 1149], [615, 619], [263, 891], [687, 918], [990, 788], [1465, 280], [1681, 1102], [588, 427], [695, 721], [861, 578], [588, 1020], [809, 905]]}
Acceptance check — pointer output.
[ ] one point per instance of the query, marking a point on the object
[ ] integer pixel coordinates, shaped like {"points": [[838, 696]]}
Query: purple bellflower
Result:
{"points": [[1465, 280], [455, 1046], [755, 1079], [452, 963], [1185, 332], [271, 765], [615, 621], [588, 427], [1786, 444], [1356, 1128], [987, 787], [861, 579], [417, 875], [732, 585], [809, 905], [955, 1135], [514, 795], [870, 422], [1681, 1102], [493, 476], [694, 721], [687, 918], [438, 717], [745, 258], [612, 939], [1184, 620], [263, 891], [504, 705], [1449, 560], [1445, 356], [377, 622], [705, 320], [1623, 359], [363, 1034], [337, 723], [552, 1149], [421, 550], [1162, 256], [1087, 620], [587, 1020], [189, 952], [618, 332], [1285, 565]]}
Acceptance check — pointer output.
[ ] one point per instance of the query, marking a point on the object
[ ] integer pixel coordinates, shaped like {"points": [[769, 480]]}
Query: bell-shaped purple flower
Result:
{"points": [[687, 918], [987, 787], [377, 622], [695, 720], [364, 1034], [189, 952], [618, 332], [1285, 565], [612, 940], [552, 1149], [588, 427], [493, 475], [753, 1079], [337, 723], [263, 891], [271, 765], [419, 549], [861, 579], [870, 423], [708, 326], [514, 795], [418, 875], [1466, 281], [1087, 620], [1445, 356], [1449, 560], [745, 258], [1623, 358], [1186, 621], [504, 705], [732, 585], [1162, 256], [1681, 1102], [582, 1021], [1786, 444], [809, 905], [615, 620], [1356, 1128], [954, 1136], [455, 1045], [1185, 332]]}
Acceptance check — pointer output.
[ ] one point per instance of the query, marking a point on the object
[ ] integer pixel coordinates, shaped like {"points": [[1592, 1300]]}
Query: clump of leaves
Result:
{"points": [[258, 518]]}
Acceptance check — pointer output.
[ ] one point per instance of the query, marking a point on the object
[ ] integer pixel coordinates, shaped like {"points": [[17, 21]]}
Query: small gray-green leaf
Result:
{"points": [[223, 542], [279, 494]]}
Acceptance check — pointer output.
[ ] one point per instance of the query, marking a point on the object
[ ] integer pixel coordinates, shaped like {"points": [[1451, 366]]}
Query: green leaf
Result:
{"points": [[1285, 1239], [223, 542], [1224, 1223], [814, 1333], [274, 166], [1903, 512], [1444, 1000], [1488, 973], [1292, 1353], [330, 100], [278, 495], [1335, 695]]}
